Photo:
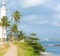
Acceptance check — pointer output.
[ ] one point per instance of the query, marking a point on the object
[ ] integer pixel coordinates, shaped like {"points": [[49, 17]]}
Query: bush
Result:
{"points": [[29, 48], [25, 49]]}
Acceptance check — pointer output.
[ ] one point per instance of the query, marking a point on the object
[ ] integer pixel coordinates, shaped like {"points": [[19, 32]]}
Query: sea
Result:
{"points": [[50, 48]]}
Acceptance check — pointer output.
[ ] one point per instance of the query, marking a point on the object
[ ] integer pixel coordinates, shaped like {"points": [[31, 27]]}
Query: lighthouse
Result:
{"points": [[3, 12]]}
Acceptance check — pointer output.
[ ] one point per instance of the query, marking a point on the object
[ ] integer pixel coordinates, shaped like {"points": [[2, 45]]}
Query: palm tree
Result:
{"points": [[4, 23], [14, 30], [16, 16], [20, 35]]}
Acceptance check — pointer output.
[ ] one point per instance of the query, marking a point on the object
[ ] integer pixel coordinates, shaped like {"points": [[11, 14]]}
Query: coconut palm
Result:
{"points": [[14, 30], [4, 23], [16, 16]]}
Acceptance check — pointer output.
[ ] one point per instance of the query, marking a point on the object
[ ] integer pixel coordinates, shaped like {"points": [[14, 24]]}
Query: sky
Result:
{"points": [[38, 16]]}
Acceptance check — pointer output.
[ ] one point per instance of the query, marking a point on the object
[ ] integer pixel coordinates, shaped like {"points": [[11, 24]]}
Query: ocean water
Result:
{"points": [[48, 45]]}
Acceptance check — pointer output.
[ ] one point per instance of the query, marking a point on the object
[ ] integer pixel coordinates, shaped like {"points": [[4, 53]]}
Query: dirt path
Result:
{"points": [[12, 51]]}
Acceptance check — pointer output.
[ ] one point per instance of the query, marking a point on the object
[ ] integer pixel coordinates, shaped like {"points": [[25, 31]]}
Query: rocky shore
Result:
{"points": [[57, 45]]}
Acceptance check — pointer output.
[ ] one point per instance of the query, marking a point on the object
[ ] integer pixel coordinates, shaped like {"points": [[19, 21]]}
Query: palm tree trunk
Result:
{"points": [[13, 38], [6, 33]]}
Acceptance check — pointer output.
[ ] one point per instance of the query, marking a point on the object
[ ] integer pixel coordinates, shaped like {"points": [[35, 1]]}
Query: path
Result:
{"points": [[12, 51]]}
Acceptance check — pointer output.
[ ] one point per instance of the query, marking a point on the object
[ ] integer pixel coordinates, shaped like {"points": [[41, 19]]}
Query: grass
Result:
{"points": [[24, 49], [2, 51]]}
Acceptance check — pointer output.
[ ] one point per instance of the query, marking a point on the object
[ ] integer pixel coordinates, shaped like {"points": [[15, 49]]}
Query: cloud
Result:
{"points": [[58, 16], [31, 3], [57, 7], [35, 19], [13, 5], [55, 23], [42, 22], [30, 17], [54, 5]]}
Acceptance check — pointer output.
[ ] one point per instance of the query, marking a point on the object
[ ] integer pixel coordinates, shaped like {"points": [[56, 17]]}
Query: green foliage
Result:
{"points": [[33, 34], [29, 48], [14, 28], [37, 47], [16, 16], [33, 42], [25, 49], [20, 35], [4, 21]]}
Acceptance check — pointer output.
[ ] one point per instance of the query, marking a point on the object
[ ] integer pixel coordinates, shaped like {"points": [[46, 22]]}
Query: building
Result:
{"points": [[3, 32]]}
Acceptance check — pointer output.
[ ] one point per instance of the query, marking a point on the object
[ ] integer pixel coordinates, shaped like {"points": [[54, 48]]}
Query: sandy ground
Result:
{"points": [[12, 51]]}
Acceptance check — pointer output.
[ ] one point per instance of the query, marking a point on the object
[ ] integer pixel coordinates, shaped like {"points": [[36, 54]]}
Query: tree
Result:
{"points": [[20, 35], [9, 36], [16, 16], [4, 23], [32, 38], [33, 34], [14, 30], [33, 41]]}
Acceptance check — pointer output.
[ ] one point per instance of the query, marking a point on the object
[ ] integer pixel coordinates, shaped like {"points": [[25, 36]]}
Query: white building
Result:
{"points": [[3, 12]]}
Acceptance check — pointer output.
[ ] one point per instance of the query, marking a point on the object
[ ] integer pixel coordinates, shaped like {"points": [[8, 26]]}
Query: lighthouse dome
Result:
{"points": [[3, 5]]}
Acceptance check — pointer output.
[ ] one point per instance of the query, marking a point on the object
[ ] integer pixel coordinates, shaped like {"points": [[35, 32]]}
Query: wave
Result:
{"points": [[48, 45], [52, 45], [48, 54]]}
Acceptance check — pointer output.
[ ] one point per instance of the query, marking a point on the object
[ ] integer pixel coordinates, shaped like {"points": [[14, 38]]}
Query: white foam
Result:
{"points": [[46, 54]]}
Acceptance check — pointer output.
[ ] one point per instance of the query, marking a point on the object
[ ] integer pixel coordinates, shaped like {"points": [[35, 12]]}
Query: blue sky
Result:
{"points": [[38, 16]]}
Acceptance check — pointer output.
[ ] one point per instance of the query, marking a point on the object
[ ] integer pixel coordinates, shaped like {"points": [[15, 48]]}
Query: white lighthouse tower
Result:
{"points": [[3, 11]]}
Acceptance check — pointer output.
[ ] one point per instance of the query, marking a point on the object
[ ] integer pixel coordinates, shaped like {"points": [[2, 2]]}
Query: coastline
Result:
{"points": [[46, 54]]}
